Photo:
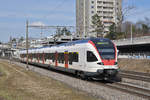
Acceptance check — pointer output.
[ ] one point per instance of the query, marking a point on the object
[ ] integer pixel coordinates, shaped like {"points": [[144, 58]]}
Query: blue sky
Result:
{"points": [[14, 13]]}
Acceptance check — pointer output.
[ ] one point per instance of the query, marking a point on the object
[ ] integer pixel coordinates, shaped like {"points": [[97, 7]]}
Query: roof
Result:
{"points": [[75, 42], [83, 41]]}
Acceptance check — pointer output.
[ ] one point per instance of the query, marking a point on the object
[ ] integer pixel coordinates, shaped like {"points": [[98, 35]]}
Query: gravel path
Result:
{"points": [[101, 92]]}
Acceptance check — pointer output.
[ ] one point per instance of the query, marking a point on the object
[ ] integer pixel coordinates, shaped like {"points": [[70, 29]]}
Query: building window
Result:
{"points": [[99, 7], [110, 8], [100, 12], [99, 1], [107, 17], [92, 6], [92, 2], [111, 3], [92, 12]]}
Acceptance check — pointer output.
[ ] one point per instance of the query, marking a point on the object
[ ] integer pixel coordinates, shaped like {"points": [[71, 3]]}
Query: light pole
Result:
{"points": [[27, 46]]}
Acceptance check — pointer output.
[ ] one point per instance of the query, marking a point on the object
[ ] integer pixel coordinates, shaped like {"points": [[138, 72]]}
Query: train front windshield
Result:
{"points": [[106, 49]]}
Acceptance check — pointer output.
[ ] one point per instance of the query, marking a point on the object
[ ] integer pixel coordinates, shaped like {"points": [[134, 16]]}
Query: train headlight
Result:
{"points": [[116, 63], [100, 71]]}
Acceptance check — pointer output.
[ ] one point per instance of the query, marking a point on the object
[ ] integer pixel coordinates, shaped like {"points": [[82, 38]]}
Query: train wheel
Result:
{"points": [[77, 74], [90, 79], [118, 78], [83, 76]]}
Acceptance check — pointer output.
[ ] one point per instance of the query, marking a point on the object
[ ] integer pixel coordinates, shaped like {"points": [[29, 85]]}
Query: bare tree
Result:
{"points": [[123, 13]]}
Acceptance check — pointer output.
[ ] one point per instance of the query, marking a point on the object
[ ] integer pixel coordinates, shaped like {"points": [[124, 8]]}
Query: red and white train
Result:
{"points": [[89, 58]]}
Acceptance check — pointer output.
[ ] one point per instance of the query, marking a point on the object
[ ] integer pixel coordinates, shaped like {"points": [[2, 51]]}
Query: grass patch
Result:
{"points": [[19, 84], [1, 71]]}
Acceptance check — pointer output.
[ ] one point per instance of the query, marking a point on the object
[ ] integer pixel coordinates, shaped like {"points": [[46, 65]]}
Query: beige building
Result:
{"points": [[109, 10]]}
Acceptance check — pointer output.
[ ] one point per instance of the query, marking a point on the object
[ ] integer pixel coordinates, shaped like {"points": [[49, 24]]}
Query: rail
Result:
{"points": [[138, 91], [135, 75]]}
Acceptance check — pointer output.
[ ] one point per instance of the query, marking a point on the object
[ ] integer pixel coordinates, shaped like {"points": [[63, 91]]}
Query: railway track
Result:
{"points": [[135, 75], [124, 74], [120, 86], [135, 90], [124, 87]]}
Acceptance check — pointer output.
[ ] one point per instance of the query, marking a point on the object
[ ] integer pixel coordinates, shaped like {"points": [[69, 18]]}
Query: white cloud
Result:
{"points": [[37, 23]]}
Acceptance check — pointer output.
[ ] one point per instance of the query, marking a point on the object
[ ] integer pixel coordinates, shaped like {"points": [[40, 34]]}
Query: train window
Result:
{"points": [[61, 57], [41, 56], [70, 58], [32, 55], [91, 57], [75, 57], [46, 56], [53, 57], [29, 56], [37, 56], [50, 56], [56, 56], [23, 55]]}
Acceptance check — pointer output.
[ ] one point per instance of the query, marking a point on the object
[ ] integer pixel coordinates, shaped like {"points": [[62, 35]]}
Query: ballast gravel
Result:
{"points": [[137, 82], [98, 91]]}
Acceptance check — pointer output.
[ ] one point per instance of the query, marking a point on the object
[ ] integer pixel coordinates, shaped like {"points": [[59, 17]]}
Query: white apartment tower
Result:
{"points": [[109, 10]]}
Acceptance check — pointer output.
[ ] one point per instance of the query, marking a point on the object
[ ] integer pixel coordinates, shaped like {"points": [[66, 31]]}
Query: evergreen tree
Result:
{"points": [[21, 39], [65, 31], [112, 34], [97, 25]]}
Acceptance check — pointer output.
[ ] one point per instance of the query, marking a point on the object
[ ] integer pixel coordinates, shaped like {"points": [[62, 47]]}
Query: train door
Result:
{"points": [[82, 58]]}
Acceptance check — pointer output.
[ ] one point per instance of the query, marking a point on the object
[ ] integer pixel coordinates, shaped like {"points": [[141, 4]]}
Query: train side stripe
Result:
{"points": [[95, 48]]}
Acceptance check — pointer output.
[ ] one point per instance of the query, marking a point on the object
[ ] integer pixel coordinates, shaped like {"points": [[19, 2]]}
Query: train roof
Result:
{"points": [[74, 42], [84, 41]]}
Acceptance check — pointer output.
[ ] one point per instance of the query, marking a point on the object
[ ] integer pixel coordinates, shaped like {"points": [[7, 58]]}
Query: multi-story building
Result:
{"points": [[108, 10]]}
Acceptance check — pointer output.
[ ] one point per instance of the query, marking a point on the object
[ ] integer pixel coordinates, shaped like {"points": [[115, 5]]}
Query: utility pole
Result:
{"points": [[131, 33], [131, 39], [10, 49], [27, 45]]}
